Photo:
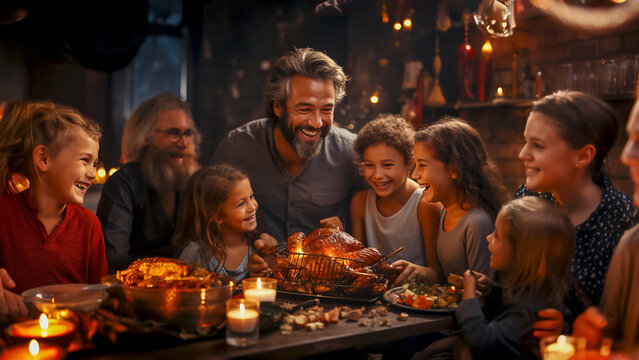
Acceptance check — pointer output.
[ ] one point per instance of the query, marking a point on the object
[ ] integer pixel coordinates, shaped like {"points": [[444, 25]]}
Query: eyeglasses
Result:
{"points": [[174, 134]]}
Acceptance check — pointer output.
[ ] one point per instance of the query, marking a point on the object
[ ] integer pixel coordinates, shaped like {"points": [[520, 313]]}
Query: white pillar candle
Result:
{"points": [[242, 320], [261, 295], [561, 350]]}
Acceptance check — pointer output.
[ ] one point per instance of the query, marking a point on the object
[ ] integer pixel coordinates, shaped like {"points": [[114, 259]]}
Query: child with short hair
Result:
{"points": [[217, 222], [452, 167], [46, 236], [531, 248], [392, 213]]}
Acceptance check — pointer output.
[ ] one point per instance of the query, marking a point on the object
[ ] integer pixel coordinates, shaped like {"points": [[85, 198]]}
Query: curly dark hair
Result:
{"points": [[388, 129], [457, 144]]}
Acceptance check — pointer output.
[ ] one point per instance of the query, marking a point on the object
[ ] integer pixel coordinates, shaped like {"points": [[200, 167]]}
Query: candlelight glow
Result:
{"points": [[500, 91], [259, 283], [34, 348], [242, 309], [487, 48], [561, 340], [375, 97], [101, 172], [453, 288], [231, 283], [397, 26], [203, 296], [44, 322], [112, 171], [408, 23]]}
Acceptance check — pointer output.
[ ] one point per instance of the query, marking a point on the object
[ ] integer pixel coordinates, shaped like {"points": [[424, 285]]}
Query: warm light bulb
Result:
{"points": [[408, 23], [487, 48], [375, 97], [112, 171], [34, 348], [101, 172], [397, 26], [44, 322]]}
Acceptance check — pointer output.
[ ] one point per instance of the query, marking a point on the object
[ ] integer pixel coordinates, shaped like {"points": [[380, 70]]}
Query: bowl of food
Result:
{"points": [[178, 293], [78, 297]]}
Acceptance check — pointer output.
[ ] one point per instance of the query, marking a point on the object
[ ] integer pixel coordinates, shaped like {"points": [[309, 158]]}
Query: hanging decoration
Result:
{"points": [[436, 98], [465, 54], [495, 18]]}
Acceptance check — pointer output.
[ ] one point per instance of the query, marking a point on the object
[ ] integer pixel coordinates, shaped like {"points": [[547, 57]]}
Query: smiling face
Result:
{"points": [[630, 154], [384, 169], [434, 176], [548, 159], [239, 209], [501, 252], [70, 173], [174, 120], [308, 114]]}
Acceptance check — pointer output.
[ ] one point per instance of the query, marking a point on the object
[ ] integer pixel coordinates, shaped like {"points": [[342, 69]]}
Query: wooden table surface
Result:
{"points": [[275, 345]]}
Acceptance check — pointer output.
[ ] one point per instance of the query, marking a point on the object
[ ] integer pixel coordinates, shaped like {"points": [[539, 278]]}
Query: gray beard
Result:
{"points": [[159, 175], [303, 150]]}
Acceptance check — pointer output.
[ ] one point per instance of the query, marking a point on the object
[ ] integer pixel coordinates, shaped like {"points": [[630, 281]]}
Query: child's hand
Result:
{"points": [[589, 325], [256, 264], [470, 285], [409, 271], [332, 222], [483, 283], [550, 323]]}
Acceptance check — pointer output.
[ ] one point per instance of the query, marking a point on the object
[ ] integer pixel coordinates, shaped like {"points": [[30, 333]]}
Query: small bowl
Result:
{"points": [[49, 298]]}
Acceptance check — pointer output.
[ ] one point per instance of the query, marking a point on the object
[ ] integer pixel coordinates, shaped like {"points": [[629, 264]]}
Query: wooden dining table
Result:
{"points": [[274, 344]]}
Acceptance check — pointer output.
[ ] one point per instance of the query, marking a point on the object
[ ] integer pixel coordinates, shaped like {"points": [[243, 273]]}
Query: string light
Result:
{"points": [[397, 26], [375, 97]]}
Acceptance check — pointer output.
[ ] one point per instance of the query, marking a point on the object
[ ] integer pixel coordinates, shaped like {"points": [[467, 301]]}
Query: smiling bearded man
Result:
{"points": [[138, 206]]}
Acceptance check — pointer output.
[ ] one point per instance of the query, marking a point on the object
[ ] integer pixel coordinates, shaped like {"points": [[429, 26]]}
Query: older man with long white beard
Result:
{"points": [[139, 203]]}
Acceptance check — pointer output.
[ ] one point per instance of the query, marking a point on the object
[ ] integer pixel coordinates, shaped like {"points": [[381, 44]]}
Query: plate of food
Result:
{"points": [[418, 295]]}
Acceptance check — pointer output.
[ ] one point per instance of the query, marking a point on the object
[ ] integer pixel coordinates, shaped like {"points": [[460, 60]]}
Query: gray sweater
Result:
{"points": [[465, 246]]}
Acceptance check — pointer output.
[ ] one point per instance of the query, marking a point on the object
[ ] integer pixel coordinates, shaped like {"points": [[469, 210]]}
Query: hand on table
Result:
{"points": [[332, 222], [550, 323], [589, 325], [11, 304], [256, 264]]}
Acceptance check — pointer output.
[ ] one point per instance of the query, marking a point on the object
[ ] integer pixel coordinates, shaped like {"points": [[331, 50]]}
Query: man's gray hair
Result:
{"points": [[138, 131], [305, 62]]}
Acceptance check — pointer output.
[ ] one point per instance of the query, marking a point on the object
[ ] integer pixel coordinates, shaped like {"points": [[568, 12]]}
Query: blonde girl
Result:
{"points": [[217, 221], [531, 248], [46, 236]]}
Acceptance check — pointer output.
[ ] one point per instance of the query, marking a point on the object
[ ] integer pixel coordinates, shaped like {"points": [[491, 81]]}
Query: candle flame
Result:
{"points": [[397, 26], [231, 283], [500, 91], [34, 348], [487, 48], [259, 283], [561, 340], [44, 322], [453, 288], [242, 309]]}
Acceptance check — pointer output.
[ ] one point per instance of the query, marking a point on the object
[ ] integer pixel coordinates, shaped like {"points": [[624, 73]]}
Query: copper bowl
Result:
{"points": [[182, 308]]}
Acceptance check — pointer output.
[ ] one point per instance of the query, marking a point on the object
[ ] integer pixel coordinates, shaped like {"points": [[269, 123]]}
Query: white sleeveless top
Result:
{"points": [[400, 229]]}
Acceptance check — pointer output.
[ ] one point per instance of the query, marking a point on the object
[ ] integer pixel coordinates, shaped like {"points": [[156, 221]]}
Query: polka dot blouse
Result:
{"points": [[598, 236]]}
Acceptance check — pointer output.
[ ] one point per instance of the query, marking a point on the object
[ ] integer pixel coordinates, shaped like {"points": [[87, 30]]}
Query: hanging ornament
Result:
{"points": [[436, 98], [385, 18], [465, 54]]}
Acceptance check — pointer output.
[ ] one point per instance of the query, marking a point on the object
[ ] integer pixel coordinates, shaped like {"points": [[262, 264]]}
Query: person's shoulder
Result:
{"points": [[341, 134], [251, 128], [478, 220], [126, 173], [630, 239], [359, 198], [83, 215]]}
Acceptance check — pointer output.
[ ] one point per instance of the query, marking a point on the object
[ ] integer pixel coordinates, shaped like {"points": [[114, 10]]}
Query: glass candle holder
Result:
{"points": [[45, 330], [242, 322], [560, 347], [260, 289], [33, 351]]}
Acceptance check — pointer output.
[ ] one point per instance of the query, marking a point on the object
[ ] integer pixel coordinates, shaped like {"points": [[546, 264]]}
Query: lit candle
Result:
{"points": [[53, 331], [485, 68], [242, 320], [499, 92], [262, 290], [559, 350], [32, 351]]}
